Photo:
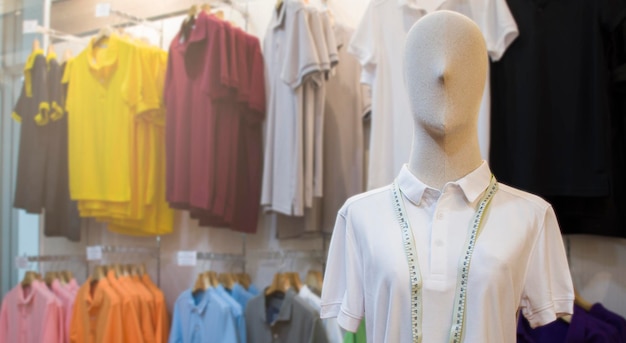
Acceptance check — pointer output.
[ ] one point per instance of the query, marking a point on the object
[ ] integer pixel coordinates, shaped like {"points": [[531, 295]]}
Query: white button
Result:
{"points": [[439, 243], [440, 216]]}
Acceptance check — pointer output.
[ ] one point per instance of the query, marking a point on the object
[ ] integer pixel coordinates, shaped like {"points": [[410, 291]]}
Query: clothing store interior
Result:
{"points": [[324, 171]]}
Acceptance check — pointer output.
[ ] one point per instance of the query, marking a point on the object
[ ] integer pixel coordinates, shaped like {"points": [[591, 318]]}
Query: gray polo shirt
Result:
{"points": [[296, 321]]}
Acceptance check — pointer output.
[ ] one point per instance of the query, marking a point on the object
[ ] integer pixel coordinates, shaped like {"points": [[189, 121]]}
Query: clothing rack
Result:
{"points": [[137, 20], [131, 250], [290, 255], [60, 35]]}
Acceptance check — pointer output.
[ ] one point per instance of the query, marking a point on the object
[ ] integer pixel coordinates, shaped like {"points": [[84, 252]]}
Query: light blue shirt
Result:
{"points": [[241, 295], [203, 317], [236, 311], [252, 289]]}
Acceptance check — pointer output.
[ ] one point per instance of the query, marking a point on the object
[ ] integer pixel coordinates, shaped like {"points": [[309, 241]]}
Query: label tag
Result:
{"points": [[29, 26], [21, 262], [187, 258], [94, 253], [103, 9]]}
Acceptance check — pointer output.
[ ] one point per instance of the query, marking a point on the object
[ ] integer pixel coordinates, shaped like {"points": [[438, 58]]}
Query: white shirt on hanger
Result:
{"points": [[378, 44], [519, 262]]}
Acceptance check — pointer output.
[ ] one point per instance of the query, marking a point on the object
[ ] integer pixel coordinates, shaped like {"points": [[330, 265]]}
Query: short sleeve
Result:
{"points": [[257, 80], [363, 45], [497, 25], [342, 294], [301, 57], [548, 290], [4, 322]]}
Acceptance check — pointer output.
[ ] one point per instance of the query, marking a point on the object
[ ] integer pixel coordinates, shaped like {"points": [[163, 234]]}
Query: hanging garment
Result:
{"points": [[31, 314], [270, 319], [32, 112]]}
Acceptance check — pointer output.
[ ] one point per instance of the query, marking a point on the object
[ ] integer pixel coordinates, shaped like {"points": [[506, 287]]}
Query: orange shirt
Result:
{"points": [[143, 300], [97, 317], [130, 325], [160, 317]]}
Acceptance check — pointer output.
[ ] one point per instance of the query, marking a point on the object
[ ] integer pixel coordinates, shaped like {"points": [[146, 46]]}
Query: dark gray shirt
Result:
{"points": [[296, 321]]}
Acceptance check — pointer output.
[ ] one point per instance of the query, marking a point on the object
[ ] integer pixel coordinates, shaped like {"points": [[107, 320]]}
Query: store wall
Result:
{"points": [[596, 262]]}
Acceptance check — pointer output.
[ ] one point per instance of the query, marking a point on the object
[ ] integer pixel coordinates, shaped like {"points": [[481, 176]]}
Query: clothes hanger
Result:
{"points": [[67, 276], [36, 45], [294, 280], [280, 284], [227, 280], [50, 277], [104, 33], [99, 273], [313, 280], [68, 55], [244, 279], [580, 301], [202, 283], [29, 277]]}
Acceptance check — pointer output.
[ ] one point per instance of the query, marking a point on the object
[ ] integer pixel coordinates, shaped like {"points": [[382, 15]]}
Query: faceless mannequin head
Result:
{"points": [[445, 72]]}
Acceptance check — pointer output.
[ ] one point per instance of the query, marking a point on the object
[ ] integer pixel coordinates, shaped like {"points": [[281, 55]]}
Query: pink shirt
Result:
{"points": [[72, 286], [30, 315], [67, 298]]}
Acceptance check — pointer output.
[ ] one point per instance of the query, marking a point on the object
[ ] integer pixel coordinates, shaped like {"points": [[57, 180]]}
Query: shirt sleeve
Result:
{"points": [[51, 330], [363, 45], [342, 294], [301, 58], [257, 81], [176, 332], [40, 91], [4, 322], [548, 290], [497, 25]]}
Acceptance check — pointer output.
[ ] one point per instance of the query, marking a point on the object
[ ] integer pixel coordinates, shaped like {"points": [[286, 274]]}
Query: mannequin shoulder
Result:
{"points": [[371, 200], [519, 197]]}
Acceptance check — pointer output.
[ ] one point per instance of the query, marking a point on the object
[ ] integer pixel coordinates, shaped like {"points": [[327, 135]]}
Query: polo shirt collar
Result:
{"points": [[94, 301], [285, 308], [426, 6], [472, 185], [108, 58], [204, 302], [278, 17], [25, 299]]}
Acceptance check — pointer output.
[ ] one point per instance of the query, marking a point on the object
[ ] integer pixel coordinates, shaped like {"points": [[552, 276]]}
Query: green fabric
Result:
{"points": [[358, 337]]}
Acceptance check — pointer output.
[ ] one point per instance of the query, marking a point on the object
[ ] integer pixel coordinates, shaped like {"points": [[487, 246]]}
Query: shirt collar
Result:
{"points": [[204, 302], [285, 308], [94, 301], [472, 185], [278, 16], [108, 58], [425, 6]]}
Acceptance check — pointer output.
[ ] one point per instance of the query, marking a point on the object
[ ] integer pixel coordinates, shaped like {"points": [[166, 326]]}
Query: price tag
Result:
{"points": [[29, 26], [21, 262], [94, 253], [103, 9], [187, 258]]}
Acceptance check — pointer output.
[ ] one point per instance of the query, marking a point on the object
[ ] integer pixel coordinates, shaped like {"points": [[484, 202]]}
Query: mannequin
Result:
{"points": [[445, 232], [445, 72]]}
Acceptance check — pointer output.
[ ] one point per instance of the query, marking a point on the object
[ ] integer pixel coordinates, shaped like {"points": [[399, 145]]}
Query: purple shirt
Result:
{"points": [[615, 320], [584, 328]]}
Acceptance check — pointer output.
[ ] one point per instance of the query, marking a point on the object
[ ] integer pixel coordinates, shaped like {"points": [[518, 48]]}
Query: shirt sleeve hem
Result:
{"points": [[330, 310], [510, 34], [348, 321], [551, 312]]}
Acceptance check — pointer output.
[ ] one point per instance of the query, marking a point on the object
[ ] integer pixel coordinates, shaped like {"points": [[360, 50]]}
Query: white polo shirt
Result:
{"points": [[379, 46], [519, 262]]}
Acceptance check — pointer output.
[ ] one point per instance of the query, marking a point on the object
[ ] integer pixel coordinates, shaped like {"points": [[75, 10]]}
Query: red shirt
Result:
{"points": [[190, 91]]}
